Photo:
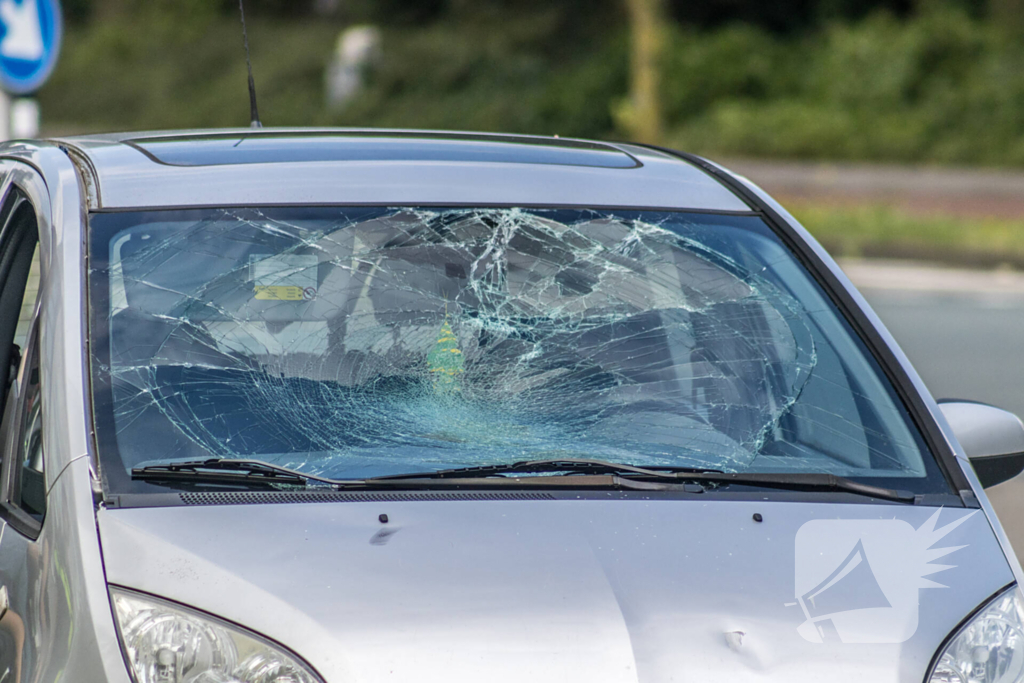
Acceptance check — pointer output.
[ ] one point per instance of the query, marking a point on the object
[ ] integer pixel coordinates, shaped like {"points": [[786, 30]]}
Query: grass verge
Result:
{"points": [[880, 231]]}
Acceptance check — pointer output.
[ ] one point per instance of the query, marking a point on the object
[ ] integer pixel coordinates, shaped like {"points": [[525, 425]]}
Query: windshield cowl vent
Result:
{"points": [[264, 497]]}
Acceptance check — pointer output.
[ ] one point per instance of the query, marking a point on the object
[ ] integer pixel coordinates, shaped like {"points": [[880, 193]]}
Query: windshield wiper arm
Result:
{"points": [[227, 470], [808, 481], [569, 465]]}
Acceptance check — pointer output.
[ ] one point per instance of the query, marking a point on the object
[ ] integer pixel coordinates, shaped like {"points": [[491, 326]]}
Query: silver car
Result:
{"points": [[345, 406]]}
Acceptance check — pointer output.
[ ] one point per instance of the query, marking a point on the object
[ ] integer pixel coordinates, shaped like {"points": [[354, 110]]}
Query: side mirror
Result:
{"points": [[992, 438]]}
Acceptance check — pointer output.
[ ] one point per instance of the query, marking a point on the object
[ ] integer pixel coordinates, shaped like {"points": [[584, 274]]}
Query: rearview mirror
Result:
{"points": [[992, 438]]}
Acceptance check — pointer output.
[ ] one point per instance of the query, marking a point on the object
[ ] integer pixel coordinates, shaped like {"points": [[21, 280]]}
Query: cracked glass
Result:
{"points": [[358, 341]]}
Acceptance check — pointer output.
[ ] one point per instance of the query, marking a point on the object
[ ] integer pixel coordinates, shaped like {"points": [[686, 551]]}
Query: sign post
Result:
{"points": [[30, 37]]}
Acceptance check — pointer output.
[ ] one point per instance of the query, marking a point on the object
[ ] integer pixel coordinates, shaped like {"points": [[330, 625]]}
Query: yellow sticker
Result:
{"points": [[278, 293]]}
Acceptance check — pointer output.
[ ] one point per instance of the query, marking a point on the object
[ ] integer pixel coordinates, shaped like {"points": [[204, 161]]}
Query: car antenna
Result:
{"points": [[254, 114]]}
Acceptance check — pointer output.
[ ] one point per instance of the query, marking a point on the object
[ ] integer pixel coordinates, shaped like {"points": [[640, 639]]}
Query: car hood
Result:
{"points": [[617, 590]]}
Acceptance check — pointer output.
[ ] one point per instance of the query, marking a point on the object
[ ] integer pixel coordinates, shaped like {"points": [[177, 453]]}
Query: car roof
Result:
{"points": [[287, 166]]}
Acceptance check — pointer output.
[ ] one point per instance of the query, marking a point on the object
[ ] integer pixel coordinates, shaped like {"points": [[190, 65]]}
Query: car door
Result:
{"points": [[22, 481]]}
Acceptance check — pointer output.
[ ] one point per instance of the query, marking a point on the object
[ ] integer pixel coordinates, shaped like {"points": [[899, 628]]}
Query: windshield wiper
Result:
{"points": [[229, 471], [576, 472], [812, 481], [595, 473], [573, 465], [805, 481]]}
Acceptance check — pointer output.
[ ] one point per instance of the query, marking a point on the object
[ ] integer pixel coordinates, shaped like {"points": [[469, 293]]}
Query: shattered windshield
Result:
{"points": [[361, 341]]}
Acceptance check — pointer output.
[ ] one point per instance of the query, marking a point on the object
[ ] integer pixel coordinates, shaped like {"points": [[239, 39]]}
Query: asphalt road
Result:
{"points": [[929, 190], [962, 330]]}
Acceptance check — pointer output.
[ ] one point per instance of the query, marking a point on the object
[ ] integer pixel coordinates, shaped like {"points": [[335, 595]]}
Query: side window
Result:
{"points": [[22, 462], [28, 481], [28, 302]]}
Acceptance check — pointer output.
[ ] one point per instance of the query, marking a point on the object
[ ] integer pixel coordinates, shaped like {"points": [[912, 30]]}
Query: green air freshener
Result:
{"points": [[445, 361]]}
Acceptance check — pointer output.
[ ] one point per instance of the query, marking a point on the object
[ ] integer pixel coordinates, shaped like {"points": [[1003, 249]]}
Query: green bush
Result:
{"points": [[879, 230], [942, 86], [517, 74], [145, 75]]}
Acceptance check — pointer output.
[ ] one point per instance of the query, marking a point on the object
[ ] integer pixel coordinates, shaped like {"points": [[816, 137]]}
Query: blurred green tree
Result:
{"points": [[640, 115], [780, 16], [1009, 16]]}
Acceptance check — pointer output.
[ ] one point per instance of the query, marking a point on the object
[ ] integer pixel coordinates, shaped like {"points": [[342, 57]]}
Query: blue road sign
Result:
{"points": [[30, 33]]}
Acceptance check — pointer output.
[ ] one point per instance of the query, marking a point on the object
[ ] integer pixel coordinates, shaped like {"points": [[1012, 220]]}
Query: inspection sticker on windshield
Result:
{"points": [[857, 580], [278, 293], [284, 277]]}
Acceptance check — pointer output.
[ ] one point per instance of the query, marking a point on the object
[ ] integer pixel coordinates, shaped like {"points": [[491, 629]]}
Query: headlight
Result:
{"points": [[989, 648], [167, 643]]}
